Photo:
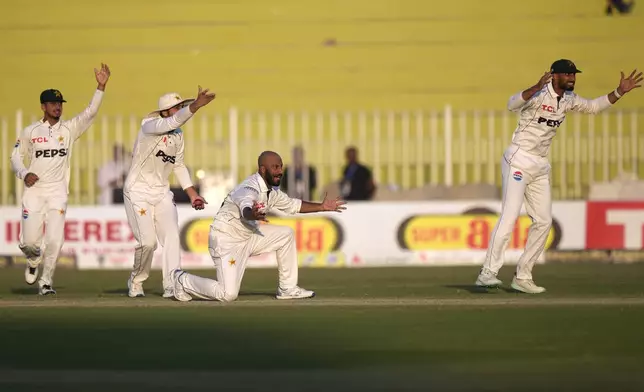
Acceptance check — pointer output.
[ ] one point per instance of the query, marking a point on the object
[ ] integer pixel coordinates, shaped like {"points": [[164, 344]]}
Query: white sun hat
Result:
{"points": [[166, 101]]}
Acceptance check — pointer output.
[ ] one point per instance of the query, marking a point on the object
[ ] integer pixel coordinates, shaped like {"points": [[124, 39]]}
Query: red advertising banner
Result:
{"points": [[615, 225]]}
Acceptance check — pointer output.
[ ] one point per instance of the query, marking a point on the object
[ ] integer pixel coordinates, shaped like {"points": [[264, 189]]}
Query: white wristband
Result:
{"points": [[617, 94]]}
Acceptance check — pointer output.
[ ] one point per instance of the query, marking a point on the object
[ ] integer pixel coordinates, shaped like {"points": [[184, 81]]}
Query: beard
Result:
{"points": [[271, 180]]}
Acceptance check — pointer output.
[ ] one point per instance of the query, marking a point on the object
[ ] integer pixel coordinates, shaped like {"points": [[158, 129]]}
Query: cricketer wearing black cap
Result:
{"points": [[51, 101], [564, 66], [51, 95]]}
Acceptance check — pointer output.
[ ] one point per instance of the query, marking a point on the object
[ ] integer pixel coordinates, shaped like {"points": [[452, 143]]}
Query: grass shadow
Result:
{"points": [[474, 289]]}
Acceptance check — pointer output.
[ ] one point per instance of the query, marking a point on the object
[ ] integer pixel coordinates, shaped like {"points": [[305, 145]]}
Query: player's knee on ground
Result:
{"points": [[230, 296]]}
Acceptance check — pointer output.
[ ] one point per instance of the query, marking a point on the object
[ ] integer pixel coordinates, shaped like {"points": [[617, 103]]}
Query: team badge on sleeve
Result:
{"points": [[17, 144], [25, 213], [517, 175]]}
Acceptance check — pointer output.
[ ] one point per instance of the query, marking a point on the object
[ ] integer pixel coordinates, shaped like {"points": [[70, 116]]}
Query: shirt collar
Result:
{"points": [[44, 122], [551, 90], [262, 184]]}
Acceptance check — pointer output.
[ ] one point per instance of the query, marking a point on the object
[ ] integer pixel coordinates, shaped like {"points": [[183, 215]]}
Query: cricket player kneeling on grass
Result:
{"points": [[526, 170], [236, 234]]}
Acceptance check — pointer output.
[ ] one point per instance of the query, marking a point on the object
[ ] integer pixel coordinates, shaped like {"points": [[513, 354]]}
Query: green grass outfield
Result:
{"points": [[368, 329]]}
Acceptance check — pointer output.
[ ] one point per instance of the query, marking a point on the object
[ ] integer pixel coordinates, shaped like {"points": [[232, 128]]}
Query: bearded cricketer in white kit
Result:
{"points": [[236, 234], [48, 143], [526, 170], [149, 203]]}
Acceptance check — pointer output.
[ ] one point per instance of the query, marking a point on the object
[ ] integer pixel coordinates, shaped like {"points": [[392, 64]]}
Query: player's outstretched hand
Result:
{"points": [[203, 98], [631, 82], [545, 79], [102, 75], [336, 204], [31, 179], [258, 212], [198, 203]]}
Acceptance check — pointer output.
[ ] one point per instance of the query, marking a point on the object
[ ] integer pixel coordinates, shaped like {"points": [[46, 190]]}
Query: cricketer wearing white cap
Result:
{"points": [[149, 203], [525, 168], [236, 234], [48, 143]]}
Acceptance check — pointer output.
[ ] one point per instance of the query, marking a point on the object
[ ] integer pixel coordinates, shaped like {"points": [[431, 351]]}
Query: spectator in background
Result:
{"points": [[112, 175], [357, 181], [620, 6], [300, 178]]}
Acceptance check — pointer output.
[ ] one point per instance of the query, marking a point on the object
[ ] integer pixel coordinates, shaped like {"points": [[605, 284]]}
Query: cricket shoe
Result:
{"points": [[168, 292], [487, 279], [134, 290], [46, 289], [179, 292], [31, 274], [526, 286], [294, 293]]}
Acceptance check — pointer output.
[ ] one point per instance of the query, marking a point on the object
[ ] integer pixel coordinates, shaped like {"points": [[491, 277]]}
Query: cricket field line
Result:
{"points": [[519, 301]]}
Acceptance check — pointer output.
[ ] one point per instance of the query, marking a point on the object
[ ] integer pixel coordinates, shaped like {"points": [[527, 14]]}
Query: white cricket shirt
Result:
{"points": [[543, 113], [49, 147], [158, 152], [229, 218]]}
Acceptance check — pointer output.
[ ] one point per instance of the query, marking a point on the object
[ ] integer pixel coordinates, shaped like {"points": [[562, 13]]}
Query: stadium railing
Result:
{"points": [[405, 149]]}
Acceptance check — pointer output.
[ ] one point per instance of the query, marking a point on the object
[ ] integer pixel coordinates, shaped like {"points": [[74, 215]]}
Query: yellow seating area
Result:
{"points": [[286, 55]]}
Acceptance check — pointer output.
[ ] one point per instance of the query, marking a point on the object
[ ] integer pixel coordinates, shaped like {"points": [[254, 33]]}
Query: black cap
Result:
{"points": [[564, 66], [51, 95]]}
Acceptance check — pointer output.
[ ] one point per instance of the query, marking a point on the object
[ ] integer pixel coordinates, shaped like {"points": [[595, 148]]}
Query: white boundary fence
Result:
{"points": [[406, 149]]}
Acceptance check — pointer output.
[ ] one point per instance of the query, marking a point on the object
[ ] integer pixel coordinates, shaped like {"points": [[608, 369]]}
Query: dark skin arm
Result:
{"points": [[337, 205], [528, 93], [626, 84]]}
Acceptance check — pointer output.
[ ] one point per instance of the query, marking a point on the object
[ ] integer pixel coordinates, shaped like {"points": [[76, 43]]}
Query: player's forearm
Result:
{"points": [[95, 103], [101, 87], [309, 206], [516, 101], [247, 213], [615, 95], [528, 93], [182, 174], [191, 192], [593, 106], [18, 166], [160, 126]]}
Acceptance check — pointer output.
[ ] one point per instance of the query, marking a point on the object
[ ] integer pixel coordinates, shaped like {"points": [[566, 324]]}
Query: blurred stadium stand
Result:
{"points": [[418, 86]]}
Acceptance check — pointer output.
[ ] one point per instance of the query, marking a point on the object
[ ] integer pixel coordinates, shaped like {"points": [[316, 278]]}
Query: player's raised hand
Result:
{"points": [[102, 75], [203, 98], [31, 179], [631, 82], [545, 79], [336, 204]]}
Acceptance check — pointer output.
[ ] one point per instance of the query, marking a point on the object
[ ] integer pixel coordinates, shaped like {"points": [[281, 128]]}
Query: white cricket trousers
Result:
{"points": [[526, 177], [48, 206], [231, 255], [149, 223]]}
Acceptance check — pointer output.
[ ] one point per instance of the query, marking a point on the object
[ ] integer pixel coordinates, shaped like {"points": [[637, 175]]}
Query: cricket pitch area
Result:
{"points": [[385, 329]]}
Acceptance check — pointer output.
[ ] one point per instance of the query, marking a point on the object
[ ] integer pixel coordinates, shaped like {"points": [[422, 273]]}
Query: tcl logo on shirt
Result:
{"points": [[51, 153], [548, 108], [615, 225], [39, 139]]}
